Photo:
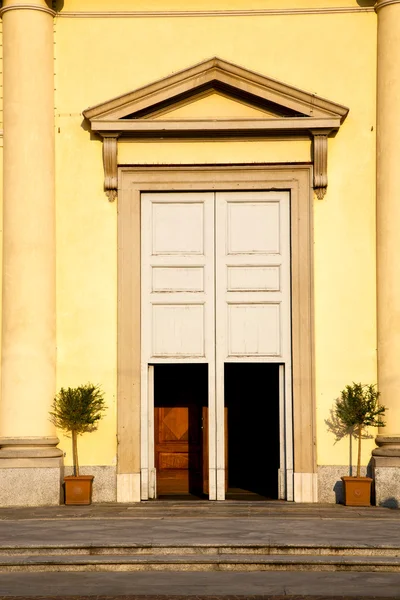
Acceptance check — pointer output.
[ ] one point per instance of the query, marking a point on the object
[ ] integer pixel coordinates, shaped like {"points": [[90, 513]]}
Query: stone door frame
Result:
{"points": [[132, 423]]}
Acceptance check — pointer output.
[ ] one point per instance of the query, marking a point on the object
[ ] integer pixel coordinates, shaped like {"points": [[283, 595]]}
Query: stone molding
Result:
{"points": [[288, 110], [135, 180], [388, 446], [29, 447], [382, 3], [286, 101], [27, 6], [138, 14]]}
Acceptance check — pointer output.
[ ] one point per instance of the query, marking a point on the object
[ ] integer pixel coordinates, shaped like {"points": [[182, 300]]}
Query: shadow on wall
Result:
{"points": [[390, 503], [57, 5], [365, 3], [339, 492]]}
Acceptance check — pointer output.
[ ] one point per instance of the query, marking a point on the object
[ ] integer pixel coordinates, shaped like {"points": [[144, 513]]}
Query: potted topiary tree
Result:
{"points": [[358, 407], [76, 411]]}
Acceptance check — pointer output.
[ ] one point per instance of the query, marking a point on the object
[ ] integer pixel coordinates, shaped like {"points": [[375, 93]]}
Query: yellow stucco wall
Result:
{"points": [[101, 57]]}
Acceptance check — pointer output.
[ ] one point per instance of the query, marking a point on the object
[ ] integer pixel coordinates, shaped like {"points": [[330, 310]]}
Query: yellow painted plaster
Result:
{"points": [[225, 151], [97, 59], [212, 105], [86, 281]]}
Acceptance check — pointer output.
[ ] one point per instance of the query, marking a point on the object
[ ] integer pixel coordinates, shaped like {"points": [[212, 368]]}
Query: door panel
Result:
{"points": [[179, 449], [215, 289], [177, 314], [178, 277], [252, 276], [180, 396]]}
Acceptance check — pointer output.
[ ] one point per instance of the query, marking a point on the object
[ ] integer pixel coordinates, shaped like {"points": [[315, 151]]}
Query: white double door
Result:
{"points": [[215, 289]]}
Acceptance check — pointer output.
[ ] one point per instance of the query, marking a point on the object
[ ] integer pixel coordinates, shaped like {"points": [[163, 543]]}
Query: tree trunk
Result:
{"points": [[359, 452], [75, 453]]}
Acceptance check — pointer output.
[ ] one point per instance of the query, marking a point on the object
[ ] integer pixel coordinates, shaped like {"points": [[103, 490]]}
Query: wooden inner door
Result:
{"points": [[180, 397]]}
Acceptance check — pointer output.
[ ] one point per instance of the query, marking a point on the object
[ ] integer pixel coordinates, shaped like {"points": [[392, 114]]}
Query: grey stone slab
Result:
{"points": [[30, 486], [194, 559], [387, 486], [201, 531], [182, 509], [381, 585]]}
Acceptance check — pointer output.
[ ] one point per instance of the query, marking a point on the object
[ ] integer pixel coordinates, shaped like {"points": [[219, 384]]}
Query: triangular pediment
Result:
{"points": [[216, 98], [212, 104], [212, 92]]}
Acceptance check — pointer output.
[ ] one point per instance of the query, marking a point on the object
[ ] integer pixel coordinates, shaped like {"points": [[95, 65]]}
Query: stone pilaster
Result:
{"points": [[29, 458], [387, 456]]}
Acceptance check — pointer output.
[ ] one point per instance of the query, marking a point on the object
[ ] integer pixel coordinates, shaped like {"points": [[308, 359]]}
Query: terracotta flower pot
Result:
{"points": [[78, 490], [357, 491]]}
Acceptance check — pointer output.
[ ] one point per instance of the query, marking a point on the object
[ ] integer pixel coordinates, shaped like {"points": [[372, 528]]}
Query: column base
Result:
{"points": [[386, 470], [31, 470]]}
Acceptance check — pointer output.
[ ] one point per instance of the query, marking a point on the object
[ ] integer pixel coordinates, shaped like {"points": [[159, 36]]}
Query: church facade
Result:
{"points": [[200, 215]]}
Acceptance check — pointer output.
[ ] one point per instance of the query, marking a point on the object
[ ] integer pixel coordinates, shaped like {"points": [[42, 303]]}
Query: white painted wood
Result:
{"points": [[177, 277], [212, 431], [285, 432], [287, 445], [228, 303], [253, 279], [282, 483], [180, 279], [253, 276], [177, 304], [178, 330], [151, 441], [253, 298]]}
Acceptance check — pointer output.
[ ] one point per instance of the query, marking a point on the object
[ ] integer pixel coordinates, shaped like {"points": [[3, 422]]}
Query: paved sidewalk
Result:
{"points": [[208, 524], [162, 524], [217, 585]]}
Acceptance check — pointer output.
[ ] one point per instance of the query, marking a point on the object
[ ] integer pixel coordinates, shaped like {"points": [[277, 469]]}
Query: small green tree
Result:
{"points": [[358, 407], [76, 411]]}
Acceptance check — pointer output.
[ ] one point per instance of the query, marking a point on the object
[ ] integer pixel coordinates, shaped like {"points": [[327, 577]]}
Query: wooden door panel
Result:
{"points": [[178, 449], [174, 460], [174, 424]]}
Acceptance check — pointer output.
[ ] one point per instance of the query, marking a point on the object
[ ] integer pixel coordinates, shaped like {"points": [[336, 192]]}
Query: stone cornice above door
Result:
{"points": [[273, 109]]}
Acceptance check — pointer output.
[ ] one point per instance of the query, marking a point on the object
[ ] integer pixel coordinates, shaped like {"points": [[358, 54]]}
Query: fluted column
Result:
{"points": [[28, 453], [387, 456]]}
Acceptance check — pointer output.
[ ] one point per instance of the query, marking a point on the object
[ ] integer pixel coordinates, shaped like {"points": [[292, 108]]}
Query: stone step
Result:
{"points": [[149, 550], [198, 562]]}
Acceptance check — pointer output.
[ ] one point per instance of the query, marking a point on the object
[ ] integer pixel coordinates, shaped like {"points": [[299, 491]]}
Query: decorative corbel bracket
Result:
{"points": [[110, 163], [135, 115], [320, 159]]}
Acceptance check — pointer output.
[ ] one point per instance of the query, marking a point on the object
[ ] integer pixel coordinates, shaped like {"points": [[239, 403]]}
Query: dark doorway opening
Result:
{"points": [[180, 413], [252, 403]]}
